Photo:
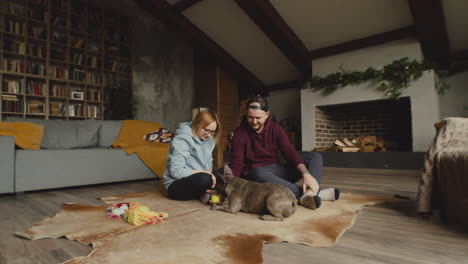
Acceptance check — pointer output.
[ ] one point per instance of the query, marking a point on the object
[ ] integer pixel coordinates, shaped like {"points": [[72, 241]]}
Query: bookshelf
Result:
{"points": [[62, 59]]}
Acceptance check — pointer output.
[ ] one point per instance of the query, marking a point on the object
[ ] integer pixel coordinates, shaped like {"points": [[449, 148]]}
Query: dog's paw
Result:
{"points": [[267, 217]]}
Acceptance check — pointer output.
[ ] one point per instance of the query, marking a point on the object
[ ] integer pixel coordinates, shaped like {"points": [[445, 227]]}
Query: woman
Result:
{"points": [[189, 165]]}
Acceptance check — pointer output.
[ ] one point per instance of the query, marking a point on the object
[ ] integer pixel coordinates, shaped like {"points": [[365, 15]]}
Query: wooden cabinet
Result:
{"points": [[62, 59], [215, 89]]}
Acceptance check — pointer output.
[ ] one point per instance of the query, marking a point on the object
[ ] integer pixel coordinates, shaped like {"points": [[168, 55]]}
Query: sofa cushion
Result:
{"points": [[67, 134], [109, 132]]}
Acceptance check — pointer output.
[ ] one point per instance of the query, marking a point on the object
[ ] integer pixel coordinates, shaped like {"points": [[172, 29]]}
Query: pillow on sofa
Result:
{"points": [[109, 132], [71, 134], [66, 134]]}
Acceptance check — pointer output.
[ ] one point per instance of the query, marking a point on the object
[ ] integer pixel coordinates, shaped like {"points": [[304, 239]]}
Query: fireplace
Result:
{"points": [[388, 120], [363, 109]]}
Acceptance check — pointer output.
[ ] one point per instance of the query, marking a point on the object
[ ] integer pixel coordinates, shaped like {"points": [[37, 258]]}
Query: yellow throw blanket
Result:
{"points": [[131, 139], [27, 135]]}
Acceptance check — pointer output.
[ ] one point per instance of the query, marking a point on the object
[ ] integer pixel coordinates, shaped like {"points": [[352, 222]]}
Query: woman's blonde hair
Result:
{"points": [[204, 119]]}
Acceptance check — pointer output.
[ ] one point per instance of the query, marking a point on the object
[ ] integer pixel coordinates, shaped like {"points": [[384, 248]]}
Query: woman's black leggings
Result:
{"points": [[191, 187]]}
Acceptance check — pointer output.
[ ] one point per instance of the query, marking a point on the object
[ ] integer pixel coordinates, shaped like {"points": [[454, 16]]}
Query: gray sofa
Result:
{"points": [[72, 153]]}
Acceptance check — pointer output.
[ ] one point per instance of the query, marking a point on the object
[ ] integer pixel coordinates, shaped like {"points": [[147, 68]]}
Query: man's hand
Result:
{"points": [[310, 183]]}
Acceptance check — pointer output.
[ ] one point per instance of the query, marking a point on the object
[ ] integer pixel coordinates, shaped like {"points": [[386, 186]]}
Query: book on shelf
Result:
{"points": [[92, 61], [58, 72], [75, 110], [35, 88], [38, 51], [57, 90], [14, 27], [92, 111], [13, 65], [35, 107], [36, 68], [57, 109], [15, 46], [94, 95], [93, 77], [13, 106], [13, 86], [110, 79], [78, 75], [78, 58], [9, 97]]}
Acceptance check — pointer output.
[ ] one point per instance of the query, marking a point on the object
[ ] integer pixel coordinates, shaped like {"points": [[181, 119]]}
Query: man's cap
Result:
{"points": [[258, 99]]}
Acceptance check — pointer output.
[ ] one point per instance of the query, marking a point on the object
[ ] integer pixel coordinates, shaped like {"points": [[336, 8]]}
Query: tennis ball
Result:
{"points": [[215, 198]]}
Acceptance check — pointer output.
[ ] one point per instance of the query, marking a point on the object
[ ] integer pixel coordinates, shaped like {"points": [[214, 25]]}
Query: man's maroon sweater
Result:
{"points": [[250, 149]]}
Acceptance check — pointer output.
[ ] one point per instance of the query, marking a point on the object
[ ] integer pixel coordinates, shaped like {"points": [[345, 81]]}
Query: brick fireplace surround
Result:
{"points": [[388, 120]]}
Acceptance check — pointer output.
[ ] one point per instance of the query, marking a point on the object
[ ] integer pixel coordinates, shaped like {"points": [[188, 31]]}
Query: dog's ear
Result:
{"points": [[227, 171], [219, 176]]}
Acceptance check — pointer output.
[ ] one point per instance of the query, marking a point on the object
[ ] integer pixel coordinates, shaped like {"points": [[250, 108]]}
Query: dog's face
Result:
{"points": [[222, 178]]}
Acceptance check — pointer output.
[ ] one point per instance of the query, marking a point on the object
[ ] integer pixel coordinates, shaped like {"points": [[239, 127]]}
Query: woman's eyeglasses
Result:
{"points": [[209, 132]]}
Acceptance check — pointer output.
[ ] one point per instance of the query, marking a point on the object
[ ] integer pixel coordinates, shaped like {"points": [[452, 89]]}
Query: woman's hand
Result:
{"points": [[214, 180], [210, 173]]}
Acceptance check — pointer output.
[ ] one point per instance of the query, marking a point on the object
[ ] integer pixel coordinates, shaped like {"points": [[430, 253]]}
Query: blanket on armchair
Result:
{"points": [[131, 140], [444, 178], [27, 135]]}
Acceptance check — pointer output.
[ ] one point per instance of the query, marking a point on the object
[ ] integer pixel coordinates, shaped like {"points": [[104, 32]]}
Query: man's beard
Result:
{"points": [[258, 128]]}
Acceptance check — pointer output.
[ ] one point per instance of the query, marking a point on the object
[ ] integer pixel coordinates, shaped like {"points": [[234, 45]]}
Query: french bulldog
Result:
{"points": [[273, 202]]}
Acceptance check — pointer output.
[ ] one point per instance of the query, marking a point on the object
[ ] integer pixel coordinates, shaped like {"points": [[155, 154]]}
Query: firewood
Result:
{"points": [[367, 149], [320, 149], [340, 143], [368, 141], [348, 143], [349, 149], [380, 143]]}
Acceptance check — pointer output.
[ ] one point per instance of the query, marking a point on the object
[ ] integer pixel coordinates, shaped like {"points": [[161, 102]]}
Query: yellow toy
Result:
{"points": [[140, 215], [215, 199]]}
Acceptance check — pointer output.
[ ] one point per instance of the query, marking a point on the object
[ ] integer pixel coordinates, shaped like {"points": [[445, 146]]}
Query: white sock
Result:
{"points": [[329, 194]]}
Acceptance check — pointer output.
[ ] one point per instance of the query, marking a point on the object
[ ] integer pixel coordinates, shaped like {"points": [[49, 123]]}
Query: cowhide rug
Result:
{"points": [[193, 233]]}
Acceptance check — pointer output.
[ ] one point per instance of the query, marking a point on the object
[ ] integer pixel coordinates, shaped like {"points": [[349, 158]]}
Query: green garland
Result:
{"points": [[392, 78]]}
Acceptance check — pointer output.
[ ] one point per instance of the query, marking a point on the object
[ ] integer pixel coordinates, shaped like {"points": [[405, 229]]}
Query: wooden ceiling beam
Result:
{"points": [[285, 85], [164, 12], [430, 25], [184, 4], [267, 18], [366, 42]]}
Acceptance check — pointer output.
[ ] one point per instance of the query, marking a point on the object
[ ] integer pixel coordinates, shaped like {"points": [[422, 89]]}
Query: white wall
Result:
{"points": [[285, 103], [375, 56], [453, 103]]}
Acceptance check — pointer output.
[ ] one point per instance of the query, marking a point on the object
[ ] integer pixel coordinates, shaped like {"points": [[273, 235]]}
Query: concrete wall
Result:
{"points": [[454, 103], [162, 68], [162, 73]]}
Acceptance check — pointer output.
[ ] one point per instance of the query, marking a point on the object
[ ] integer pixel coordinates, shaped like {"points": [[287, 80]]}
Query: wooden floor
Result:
{"points": [[386, 233]]}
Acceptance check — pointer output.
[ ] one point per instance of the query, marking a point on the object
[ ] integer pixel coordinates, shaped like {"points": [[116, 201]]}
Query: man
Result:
{"points": [[255, 155]]}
